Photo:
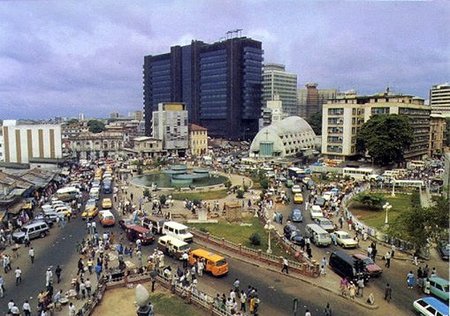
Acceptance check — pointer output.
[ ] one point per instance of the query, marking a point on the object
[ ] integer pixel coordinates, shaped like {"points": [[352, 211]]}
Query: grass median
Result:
{"points": [[201, 196]]}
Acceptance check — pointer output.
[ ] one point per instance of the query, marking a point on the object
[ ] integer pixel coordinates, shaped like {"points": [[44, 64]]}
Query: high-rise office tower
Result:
{"points": [[220, 84], [440, 99], [311, 99], [276, 81]]}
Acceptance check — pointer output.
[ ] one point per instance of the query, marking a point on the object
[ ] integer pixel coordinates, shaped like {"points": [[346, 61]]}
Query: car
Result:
{"points": [[371, 267], [444, 250], [107, 219], [43, 218], [327, 196], [320, 201], [296, 189], [296, 237], [289, 184], [124, 223], [315, 211], [325, 223], [344, 240], [64, 210], [296, 215], [430, 306], [439, 287], [298, 198], [90, 209], [106, 203], [288, 229], [134, 232]]}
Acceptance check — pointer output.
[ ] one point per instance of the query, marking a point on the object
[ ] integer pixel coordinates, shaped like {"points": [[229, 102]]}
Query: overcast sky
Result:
{"points": [[61, 58]]}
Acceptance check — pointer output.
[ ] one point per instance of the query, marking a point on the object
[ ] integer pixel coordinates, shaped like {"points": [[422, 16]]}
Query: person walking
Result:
{"points": [[410, 280], [72, 310], [388, 293], [58, 271], [327, 311], [360, 284], [88, 285], [48, 277], [26, 308], [285, 266], [387, 256], [2, 286], [18, 274], [31, 254]]}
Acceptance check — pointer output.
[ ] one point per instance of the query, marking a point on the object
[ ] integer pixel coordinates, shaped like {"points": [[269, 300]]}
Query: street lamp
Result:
{"points": [[393, 187], [269, 227], [387, 207]]}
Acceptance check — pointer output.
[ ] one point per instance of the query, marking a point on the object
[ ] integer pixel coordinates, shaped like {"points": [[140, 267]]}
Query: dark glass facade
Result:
{"points": [[220, 84]]}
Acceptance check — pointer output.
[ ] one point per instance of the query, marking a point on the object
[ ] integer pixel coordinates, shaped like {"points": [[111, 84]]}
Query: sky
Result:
{"points": [[62, 58]]}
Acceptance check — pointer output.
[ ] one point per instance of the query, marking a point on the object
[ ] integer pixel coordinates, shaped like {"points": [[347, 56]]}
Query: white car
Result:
{"points": [[315, 211], [327, 196], [296, 189], [344, 240], [325, 224], [430, 306]]}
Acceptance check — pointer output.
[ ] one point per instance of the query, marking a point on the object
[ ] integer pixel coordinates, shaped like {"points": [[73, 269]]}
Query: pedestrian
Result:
{"points": [[72, 310], [309, 251], [327, 311], [15, 310], [433, 272], [80, 266], [387, 256], [307, 312], [58, 271], [185, 258], [48, 277], [416, 257], [388, 293], [393, 248], [82, 289], [419, 277], [10, 305], [26, 308], [31, 254], [2, 286], [243, 299], [285, 266], [426, 286], [352, 290], [88, 285], [324, 264], [410, 280], [360, 284], [18, 274]]}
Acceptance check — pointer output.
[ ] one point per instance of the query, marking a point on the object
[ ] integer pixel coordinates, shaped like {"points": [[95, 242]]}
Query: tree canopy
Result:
{"points": [[315, 121], [419, 224], [374, 201], [96, 126], [385, 137]]}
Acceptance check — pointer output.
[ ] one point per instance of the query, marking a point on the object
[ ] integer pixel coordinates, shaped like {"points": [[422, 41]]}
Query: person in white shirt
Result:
{"points": [[48, 277], [26, 308], [31, 254], [15, 311], [18, 274], [72, 310]]}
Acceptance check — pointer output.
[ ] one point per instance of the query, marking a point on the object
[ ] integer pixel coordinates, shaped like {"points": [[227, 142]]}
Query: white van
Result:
{"points": [[172, 246], [178, 231], [318, 235]]}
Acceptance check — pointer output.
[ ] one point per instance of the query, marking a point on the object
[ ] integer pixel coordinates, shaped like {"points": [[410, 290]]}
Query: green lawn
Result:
{"points": [[400, 203], [240, 234], [206, 195], [172, 305]]}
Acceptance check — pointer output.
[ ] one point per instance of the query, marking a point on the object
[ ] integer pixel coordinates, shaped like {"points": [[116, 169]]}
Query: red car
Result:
{"points": [[372, 268], [136, 231]]}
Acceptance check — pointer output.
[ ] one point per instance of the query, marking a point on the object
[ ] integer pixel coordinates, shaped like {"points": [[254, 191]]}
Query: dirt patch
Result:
{"points": [[121, 301]]}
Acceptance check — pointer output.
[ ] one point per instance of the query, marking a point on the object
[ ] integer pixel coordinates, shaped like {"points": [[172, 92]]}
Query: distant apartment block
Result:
{"points": [[311, 99], [440, 99], [343, 116], [276, 81], [198, 140], [170, 124], [438, 137], [24, 142], [219, 83]]}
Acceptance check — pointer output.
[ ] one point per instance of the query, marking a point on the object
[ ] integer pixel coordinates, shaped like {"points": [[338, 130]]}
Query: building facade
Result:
{"points": [[272, 113], [219, 83], [440, 99], [343, 117], [198, 140], [311, 99], [438, 134], [24, 142], [277, 82], [170, 125], [87, 145], [146, 147]]}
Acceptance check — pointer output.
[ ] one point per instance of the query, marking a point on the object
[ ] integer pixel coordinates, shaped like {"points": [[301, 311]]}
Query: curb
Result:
{"points": [[293, 276]]}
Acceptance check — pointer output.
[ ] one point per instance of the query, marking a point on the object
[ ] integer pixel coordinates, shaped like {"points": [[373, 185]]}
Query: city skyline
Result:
{"points": [[63, 58]]}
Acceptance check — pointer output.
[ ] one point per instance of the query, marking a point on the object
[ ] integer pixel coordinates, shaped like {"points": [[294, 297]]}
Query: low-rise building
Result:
{"points": [[198, 140], [146, 147], [94, 145], [438, 137]]}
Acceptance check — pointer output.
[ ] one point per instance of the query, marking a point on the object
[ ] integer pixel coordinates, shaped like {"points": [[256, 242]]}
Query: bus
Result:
{"points": [[296, 173], [67, 193], [357, 173], [413, 164], [409, 183]]}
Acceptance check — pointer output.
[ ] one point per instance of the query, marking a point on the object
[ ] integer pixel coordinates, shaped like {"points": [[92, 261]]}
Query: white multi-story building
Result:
{"points": [[276, 81], [170, 124], [440, 99], [343, 117], [23, 142], [272, 112]]}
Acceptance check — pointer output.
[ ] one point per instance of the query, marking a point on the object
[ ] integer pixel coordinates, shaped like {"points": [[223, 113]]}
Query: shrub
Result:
{"points": [[374, 201], [240, 194], [228, 184], [203, 229], [255, 239], [162, 199], [146, 193], [264, 183], [245, 188]]}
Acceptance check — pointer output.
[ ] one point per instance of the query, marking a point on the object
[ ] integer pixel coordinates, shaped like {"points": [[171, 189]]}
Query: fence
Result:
{"points": [[305, 268]]}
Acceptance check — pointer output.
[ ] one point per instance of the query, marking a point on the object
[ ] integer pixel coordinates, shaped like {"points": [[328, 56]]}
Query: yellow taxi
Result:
{"points": [[106, 203], [90, 209], [298, 198]]}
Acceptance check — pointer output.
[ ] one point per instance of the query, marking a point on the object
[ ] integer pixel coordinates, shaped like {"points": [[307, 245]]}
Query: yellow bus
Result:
{"points": [[214, 263]]}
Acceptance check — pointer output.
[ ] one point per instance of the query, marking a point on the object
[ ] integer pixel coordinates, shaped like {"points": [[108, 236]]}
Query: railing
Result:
{"points": [[305, 267]]}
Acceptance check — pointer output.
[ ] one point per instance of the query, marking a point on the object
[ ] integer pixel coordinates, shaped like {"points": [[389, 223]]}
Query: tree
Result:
{"points": [[96, 126], [240, 194], [162, 199], [72, 121], [315, 121], [385, 137], [374, 201]]}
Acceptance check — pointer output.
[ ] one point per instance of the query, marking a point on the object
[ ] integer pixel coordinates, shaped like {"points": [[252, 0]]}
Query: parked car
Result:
{"points": [[344, 265], [32, 230], [439, 287], [296, 215], [444, 250], [123, 223], [289, 184], [296, 237], [371, 267], [90, 209], [134, 232], [430, 306], [325, 224], [344, 240], [315, 211], [288, 229], [296, 189]]}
